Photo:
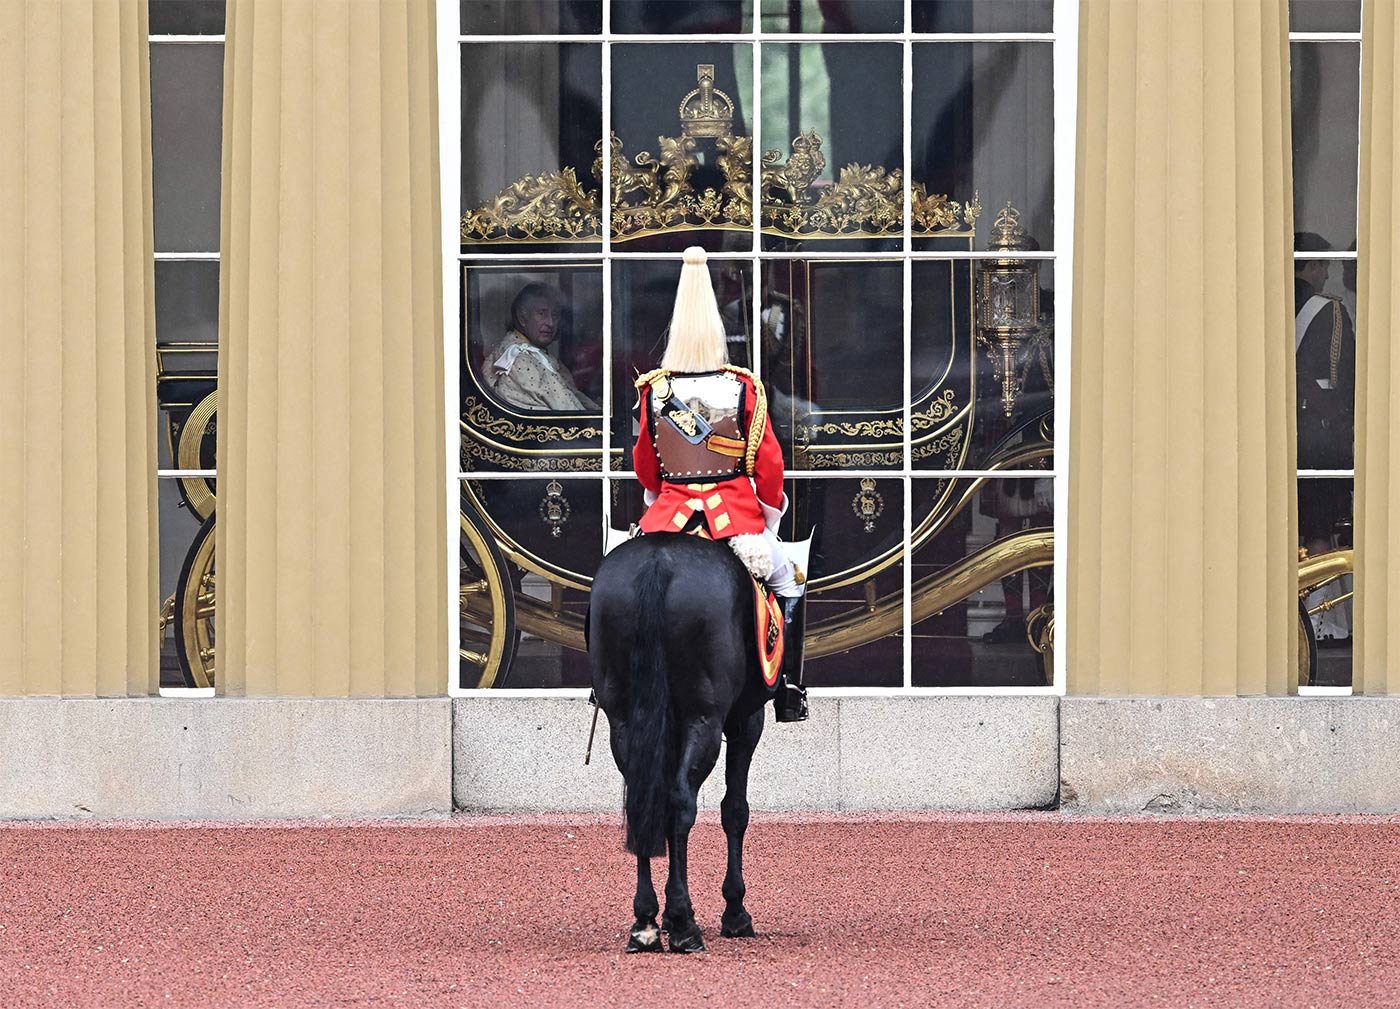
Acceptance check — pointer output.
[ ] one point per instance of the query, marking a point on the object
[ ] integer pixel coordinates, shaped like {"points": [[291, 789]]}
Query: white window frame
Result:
{"points": [[165, 473], [1064, 42], [1321, 38]]}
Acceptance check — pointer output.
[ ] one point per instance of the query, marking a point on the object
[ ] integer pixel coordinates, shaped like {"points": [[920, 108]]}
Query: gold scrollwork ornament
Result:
{"points": [[868, 504]]}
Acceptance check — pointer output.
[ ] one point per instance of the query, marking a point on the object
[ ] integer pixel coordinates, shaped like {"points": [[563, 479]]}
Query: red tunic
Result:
{"points": [[730, 507]]}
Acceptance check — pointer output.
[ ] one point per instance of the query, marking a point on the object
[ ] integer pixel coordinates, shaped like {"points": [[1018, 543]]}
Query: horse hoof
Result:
{"points": [[686, 940], [645, 940], [738, 927]]}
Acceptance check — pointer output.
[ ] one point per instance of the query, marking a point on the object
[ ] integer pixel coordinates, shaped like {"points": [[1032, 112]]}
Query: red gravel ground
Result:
{"points": [[1018, 910]]}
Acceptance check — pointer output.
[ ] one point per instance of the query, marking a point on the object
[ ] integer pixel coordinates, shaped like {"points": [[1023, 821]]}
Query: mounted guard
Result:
{"points": [[710, 464], [673, 614]]}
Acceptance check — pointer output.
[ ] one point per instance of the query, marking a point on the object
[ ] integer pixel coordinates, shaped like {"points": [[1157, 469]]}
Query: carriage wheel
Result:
{"points": [[1307, 645], [487, 609], [197, 430], [194, 610]]}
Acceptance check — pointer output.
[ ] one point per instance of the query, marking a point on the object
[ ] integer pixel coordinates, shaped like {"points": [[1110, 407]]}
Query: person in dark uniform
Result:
{"points": [[1324, 341], [1325, 344]]}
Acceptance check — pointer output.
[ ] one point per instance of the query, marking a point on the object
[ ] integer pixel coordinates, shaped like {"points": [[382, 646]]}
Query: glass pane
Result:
{"points": [[528, 549], [1326, 104], [187, 355], [982, 583], [983, 15], [644, 292], [532, 124], [532, 17], [532, 366], [832, 17], [1324, 339], [681, 158], [833, 362], [186, 17], [1325, 533], [1322, 15], [187, 86], [693, 17], [982, 364], [855, 605], [187, 301], [983, 139], [186, 591], [833, 145]]}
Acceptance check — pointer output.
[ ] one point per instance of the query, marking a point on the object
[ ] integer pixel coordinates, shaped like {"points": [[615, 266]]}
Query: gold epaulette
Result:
{"points": [[756, 422], [650, 377]]}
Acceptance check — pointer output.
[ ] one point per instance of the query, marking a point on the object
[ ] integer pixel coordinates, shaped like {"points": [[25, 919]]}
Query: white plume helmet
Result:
{"points": [[696, 340]]}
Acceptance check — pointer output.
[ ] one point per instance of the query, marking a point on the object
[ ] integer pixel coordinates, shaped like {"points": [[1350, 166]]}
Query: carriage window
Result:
{"points": [[1326, 102], [187, 52], [878, 206], [831, 331]]}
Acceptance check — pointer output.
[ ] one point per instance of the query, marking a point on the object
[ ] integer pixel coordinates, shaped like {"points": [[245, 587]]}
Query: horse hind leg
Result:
{"points": [[742, 736], [699, 751], [645, 936]]}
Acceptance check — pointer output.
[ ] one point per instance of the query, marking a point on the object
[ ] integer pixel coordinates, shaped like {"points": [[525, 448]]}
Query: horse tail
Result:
{"points": [[650, 753]]}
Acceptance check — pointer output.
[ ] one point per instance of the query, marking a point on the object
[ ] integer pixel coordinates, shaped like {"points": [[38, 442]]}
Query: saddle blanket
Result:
{"points": [[768, 617]]}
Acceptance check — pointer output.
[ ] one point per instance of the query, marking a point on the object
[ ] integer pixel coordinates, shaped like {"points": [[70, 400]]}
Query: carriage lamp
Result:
{"points": [[554, 508], [1008, 305]]}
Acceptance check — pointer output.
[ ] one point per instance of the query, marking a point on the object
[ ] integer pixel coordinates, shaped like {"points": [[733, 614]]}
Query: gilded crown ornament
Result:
{"points": [[706, 111], [654, 195]]}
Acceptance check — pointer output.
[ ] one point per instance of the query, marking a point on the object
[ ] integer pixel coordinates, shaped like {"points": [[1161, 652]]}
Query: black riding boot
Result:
{"points": [[790, 703]]}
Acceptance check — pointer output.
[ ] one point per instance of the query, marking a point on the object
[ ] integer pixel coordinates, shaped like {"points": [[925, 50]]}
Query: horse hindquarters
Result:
{"points": [[649, 760]]}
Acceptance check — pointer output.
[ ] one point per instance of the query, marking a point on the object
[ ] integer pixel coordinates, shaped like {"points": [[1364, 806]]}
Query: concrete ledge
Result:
{"points": [[1230, 754], [525, 754], [224, 758]]}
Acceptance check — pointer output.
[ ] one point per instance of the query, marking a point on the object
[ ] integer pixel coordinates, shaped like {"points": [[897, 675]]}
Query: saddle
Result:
{"points": [[768, 611]]}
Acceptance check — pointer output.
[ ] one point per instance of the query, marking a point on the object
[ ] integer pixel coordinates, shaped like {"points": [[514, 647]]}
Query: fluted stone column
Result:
{"points": [[1376, 659], [78, 568], [331, 554], [1182, 527]]}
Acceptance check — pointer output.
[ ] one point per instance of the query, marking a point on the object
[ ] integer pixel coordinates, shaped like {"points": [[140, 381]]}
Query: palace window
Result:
{"points": [[1325, 59], [890, 276], [187, 80]]}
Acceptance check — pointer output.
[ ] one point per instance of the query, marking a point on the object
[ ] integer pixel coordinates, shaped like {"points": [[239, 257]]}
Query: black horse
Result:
{"points": [[672, 647]]}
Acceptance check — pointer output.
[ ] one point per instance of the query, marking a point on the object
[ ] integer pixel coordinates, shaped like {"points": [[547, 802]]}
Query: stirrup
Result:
{"points": [[790, 702]]}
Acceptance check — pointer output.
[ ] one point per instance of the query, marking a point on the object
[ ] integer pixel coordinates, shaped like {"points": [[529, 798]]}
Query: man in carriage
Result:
{"points": [[710, 464]]}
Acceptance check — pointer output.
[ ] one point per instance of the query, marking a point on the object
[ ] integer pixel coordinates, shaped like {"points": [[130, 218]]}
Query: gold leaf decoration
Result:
{"points": [[479, 416]]}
